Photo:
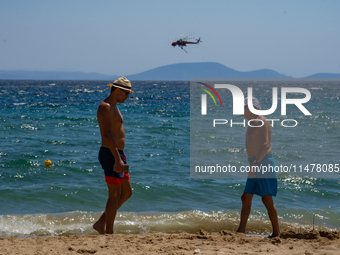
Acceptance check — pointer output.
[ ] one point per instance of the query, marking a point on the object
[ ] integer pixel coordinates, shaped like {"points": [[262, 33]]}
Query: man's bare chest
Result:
{"points": [[252, 133], [117, 116]]}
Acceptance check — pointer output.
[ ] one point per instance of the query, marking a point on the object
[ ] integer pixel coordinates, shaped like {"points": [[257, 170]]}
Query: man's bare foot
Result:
{"points": [[272, 236], [99, 228]]}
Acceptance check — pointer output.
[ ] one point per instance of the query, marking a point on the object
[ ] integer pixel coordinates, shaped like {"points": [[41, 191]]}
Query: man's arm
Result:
{"points": [[105, 120], [265, 146]]}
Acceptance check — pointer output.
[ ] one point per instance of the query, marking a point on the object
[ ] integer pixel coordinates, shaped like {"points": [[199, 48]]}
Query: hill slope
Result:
{"points": [[325, 75], [185, 71]]}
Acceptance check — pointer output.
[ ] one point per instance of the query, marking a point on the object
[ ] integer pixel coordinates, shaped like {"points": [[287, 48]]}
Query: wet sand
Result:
{"points": [[224, 242]]}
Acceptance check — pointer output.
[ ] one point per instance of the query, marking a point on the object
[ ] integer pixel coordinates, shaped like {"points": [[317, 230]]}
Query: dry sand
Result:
{"points": [[224, 242]]}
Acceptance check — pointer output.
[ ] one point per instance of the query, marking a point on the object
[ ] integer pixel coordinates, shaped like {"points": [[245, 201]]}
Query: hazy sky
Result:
{"points": [[296, 38]]}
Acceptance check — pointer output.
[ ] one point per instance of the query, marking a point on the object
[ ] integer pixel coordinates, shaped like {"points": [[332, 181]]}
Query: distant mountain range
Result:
{"points": [[180, 71], [185, 71], [325, 75], [40, 75]]}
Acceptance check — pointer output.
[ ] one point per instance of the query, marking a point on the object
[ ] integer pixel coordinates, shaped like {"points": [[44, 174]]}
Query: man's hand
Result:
{"points": [[251, 173], [119, 166]]}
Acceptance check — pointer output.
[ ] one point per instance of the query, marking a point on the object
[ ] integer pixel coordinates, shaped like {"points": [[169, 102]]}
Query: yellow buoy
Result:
{"points": [[48, 162]]}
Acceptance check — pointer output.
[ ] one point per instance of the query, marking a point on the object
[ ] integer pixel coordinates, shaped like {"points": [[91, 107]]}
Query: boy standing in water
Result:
{"points": [[111, 153], [259, 149]]}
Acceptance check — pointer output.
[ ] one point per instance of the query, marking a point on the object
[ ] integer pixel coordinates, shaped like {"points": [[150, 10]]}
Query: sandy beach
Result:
{"points": [[224, 242]]}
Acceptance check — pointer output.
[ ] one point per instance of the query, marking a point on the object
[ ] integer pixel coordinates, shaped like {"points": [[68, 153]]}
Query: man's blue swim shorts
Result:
{"points": [[263, 184], [107, 161]]}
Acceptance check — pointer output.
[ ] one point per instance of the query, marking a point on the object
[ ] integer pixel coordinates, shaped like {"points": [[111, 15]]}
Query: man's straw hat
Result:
{"points": [[122, 83], [256, 102]]}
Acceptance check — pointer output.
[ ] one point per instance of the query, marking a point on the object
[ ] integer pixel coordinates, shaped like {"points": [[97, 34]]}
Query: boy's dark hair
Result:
{"points": [[113, 88]]}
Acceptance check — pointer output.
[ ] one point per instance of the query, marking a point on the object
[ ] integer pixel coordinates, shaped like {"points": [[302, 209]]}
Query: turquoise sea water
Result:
{"points": [[56, 120]]}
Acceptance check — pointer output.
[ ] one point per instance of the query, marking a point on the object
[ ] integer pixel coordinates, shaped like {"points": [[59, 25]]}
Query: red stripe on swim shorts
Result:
{"points": [[115, 180]]}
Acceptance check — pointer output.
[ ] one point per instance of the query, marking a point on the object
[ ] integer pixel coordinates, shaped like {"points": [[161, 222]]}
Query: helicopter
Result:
{"points": [[182, 42]]}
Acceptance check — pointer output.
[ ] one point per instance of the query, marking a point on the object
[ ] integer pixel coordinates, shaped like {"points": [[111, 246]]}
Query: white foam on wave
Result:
{"points": [[80, 223]]}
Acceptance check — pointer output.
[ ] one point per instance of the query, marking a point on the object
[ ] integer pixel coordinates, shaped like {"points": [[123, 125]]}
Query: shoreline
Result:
{"points": [[203, 242], [80, 223]]}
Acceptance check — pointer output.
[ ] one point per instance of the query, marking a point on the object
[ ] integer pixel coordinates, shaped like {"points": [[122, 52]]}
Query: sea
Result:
{"points": [[56, 120]]}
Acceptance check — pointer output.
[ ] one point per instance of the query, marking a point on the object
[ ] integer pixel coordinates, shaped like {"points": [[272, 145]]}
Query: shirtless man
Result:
{"points": [[111, 153], [259, 149]]}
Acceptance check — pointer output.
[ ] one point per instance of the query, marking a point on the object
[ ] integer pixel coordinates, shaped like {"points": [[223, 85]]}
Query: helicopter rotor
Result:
{"points": [[188, 37]]}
